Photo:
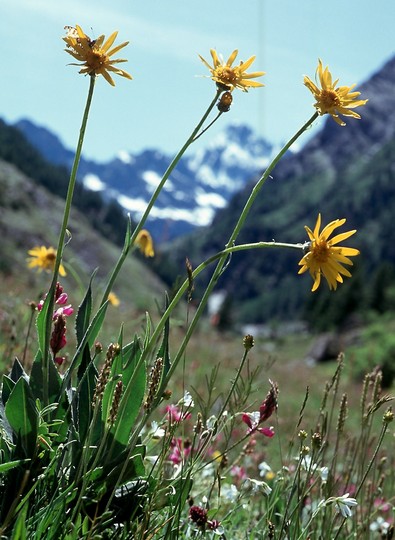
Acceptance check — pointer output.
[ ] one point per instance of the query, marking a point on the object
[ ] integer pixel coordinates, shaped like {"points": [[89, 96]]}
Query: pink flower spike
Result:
{"points": [[66, 311], [62, 299]]}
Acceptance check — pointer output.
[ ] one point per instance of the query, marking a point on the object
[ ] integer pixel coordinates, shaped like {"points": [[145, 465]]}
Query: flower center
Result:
{"points": [[95, 59], [50, 257], [329, 99], [321, 251], [226, 74]]}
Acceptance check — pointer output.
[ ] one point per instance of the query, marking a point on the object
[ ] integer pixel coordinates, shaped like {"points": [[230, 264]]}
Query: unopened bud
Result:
{"points": [[225, 102], [248, 342]]}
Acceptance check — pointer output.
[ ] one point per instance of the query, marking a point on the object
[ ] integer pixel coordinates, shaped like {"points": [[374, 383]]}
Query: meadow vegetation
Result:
{"points": [[141, 421]]}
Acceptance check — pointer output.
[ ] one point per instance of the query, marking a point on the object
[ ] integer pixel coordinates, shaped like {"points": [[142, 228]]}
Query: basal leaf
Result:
{"points": [[7, 387], [22, 415]]}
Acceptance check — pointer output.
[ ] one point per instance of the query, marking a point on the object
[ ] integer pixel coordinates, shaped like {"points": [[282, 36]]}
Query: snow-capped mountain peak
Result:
{"points": [[201, 184]]}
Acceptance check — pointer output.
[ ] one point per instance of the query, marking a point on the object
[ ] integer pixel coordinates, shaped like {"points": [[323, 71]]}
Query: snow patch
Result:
{"points": [[125, 157], [93, 182], [210, 199], [198, 217]]}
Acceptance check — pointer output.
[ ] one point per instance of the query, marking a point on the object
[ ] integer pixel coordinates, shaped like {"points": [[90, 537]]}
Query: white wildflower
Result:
{"points": [[186, 401], [264, 468], [256, 486], [229, 492], [344, 504]]}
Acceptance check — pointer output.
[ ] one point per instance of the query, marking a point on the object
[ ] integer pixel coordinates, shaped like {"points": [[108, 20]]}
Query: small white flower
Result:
{"points": [[380, 525], [344, 504], [256, 486], [208, 471], [210, 424], [306, 464], [324, 471], [229, 492], [264, 468], [156, 432], [186, 401]]}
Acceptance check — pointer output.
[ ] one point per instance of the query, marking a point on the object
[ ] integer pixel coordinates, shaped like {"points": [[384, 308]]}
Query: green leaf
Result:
{"points": [[134, 379], [36, 381], [163, 353], [17, 371], [6, 435], [87, 375], [19, 531], [44, 319], [4, 467], [84, 312], [7, 387], [119, 471], [22, 415]]}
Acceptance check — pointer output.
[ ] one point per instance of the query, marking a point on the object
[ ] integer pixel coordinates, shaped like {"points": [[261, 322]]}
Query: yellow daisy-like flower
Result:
{"points": [[113, 299], [145, 243], [44, 259], [96, 54], [324, 257], [332, 100], [232, 77]]}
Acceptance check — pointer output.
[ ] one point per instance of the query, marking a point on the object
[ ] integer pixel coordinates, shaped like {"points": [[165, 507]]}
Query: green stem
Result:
{"points": [[62, 236], [169, 170], [233, 386], [370, 465], [217, 272], [185, 285]]}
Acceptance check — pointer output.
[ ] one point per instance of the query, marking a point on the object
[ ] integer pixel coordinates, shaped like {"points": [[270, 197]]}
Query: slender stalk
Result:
{"points": [[368, 468], [62, 236], [194, 135], [184, 287], [233, 386], [221, 263], [223, 256]]}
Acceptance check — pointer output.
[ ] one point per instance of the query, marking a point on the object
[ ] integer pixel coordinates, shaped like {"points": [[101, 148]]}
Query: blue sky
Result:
{"points": [[168, 94]]}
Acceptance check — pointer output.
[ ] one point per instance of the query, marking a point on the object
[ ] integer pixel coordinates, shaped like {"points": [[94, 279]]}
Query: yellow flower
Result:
{"points": [[232, 77], [94, 55], [332, 100], [113, 299], [44, 258], [323, 258], [145, 243]]}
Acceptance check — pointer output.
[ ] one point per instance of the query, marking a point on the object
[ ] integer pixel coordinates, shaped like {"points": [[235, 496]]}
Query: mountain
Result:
{"points": [[341, 172], [30, 215], [201, 184]]}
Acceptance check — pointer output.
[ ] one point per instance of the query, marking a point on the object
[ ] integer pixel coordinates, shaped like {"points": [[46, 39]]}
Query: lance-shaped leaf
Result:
{"points": [[22, 415]]}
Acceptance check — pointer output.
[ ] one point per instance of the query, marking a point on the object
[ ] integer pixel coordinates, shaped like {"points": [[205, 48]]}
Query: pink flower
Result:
{"points": [[60, 299], [175, 414], [267, 408], [180, 450], [252, 421], [238, 472], [66, 311], [58, 337]]}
